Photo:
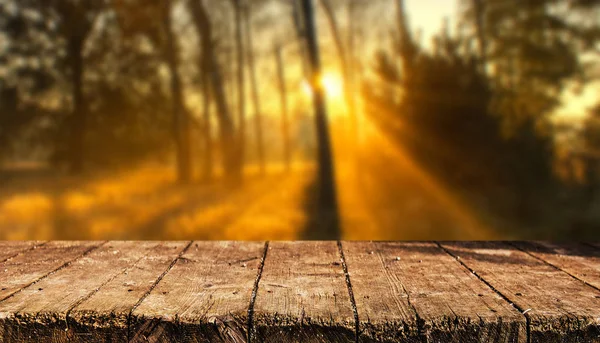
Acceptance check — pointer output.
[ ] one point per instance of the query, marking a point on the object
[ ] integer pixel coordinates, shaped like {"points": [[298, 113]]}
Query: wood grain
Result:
{"points": [[579, 260], [385, 314], [395, 283], [104, 317], [204, 298], [559, 308], [34, 264], [88, 292], [302, 296], [39, 313], [11, 249]]}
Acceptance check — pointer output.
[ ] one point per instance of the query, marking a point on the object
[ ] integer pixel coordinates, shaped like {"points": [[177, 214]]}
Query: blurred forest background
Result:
{"points": [[290, 119]]}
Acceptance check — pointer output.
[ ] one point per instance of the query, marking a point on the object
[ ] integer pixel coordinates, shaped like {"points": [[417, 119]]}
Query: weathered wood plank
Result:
{"points": [[11, 249], [39, 313], [405, 292], [559, 308], [28, 267], [104, 317], [390, 280], [302, 296], [579, 260], [384, 311], [204, 298]]}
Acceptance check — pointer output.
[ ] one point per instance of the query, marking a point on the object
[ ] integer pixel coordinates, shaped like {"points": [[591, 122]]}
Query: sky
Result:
{"points": [[428, 15]]}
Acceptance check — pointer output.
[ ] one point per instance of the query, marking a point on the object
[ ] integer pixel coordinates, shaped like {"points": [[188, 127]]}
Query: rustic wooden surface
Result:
{"points": [[299, 292], [205, 297], [558, 307], [437, 297], [303, 296]]}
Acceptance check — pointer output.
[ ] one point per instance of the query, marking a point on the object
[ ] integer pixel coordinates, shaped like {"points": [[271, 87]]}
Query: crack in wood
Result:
{"points": [[63, 266], [553, 265], [522, 311], [23, 251], [255, 293], [91, 294], [350, 291], [393, 280], [158, 280]]}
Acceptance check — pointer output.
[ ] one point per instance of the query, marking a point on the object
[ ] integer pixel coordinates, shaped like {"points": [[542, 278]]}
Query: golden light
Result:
{"points": [[331, 82], [333, 85], [306, 88]]}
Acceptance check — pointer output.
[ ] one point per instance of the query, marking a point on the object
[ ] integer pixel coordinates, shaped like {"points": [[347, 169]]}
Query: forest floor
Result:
{"points": [[384, 196]]}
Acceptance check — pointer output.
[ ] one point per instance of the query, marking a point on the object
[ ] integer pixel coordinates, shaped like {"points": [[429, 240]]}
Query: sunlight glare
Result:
{"points": [[333, 85], [331, 82]]}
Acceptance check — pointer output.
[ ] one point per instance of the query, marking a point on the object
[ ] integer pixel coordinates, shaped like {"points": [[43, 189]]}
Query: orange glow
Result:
{"points": [[331, 82], [362, 213], [306, 88]]}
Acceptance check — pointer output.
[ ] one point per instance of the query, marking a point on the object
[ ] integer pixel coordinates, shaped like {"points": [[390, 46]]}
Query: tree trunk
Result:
{"points": [[230, 80], [241, 80], [254, 88], [406, 44], [285, 116], [210, 66], [351, 65], [298, 17], [344, 57], [208, 146], [79, 115], [79, 19], [327, 195], [181, 119], [335, 31], [479, 9]]}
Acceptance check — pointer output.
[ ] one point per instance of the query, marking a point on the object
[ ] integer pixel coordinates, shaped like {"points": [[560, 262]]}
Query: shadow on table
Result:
{"points": [[518, 252]]}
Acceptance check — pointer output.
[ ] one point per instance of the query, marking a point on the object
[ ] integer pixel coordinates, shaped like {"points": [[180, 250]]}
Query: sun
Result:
{"points": [[331, 82]]}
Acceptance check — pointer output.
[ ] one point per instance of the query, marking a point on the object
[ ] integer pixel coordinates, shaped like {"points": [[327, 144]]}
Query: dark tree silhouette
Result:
{"points": [[285, 116], [238, 9], [209, 65], [260, 145], [181, 119], [67, 25], [327, 194]]}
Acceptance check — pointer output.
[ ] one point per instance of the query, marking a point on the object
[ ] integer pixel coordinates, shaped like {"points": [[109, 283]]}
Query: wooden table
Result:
{"points": [[299, 292]]}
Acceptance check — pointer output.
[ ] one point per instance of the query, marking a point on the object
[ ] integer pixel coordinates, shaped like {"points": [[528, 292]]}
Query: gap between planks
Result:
{"points": [[23, 251], [487, 283], [93, 292], [350, 291], [548, 263], [348, 283], [261, 266], [158, 280], [109, 280], [63, 266]]}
